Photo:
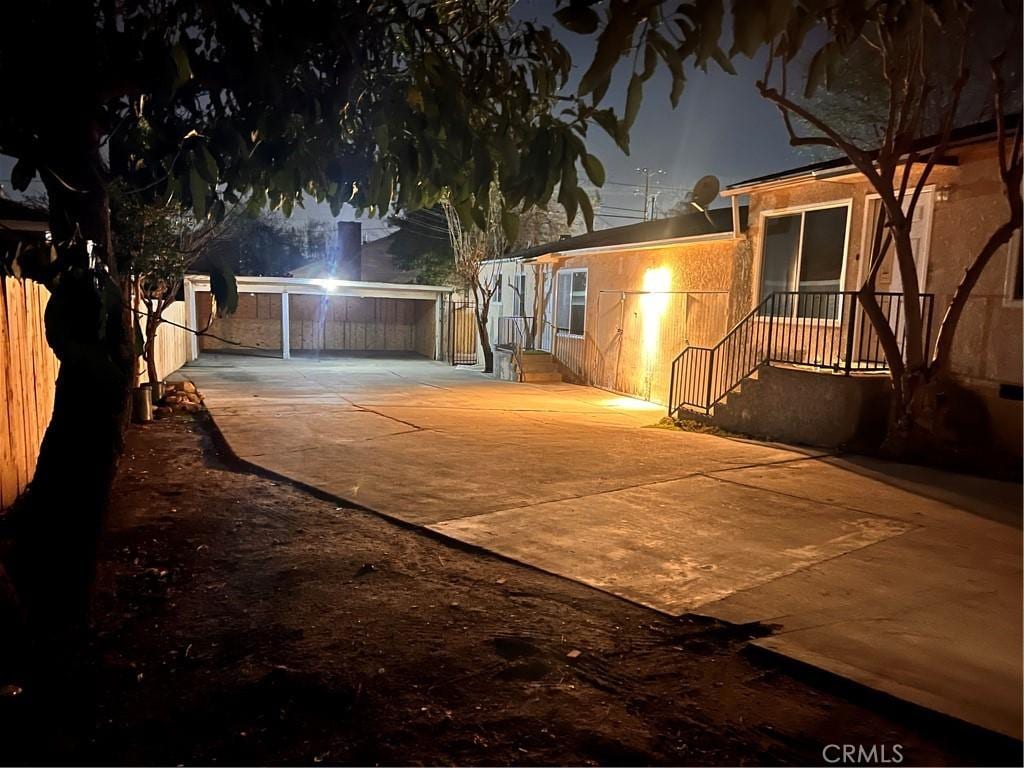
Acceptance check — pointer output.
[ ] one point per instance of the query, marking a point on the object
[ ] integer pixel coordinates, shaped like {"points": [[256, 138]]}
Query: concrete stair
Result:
{"points": [[735, 396], [804, 406], [538, 368]]}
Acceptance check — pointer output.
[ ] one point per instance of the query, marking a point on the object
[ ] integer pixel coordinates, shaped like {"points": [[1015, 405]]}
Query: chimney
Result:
{"points": [[350, 251]]}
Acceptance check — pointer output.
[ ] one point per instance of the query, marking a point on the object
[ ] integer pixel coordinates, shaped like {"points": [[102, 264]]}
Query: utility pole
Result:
{"points": [[647, 173]]}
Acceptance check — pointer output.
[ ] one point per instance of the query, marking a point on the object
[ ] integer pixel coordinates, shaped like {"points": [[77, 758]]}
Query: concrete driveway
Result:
{"points": [[904, 580]]}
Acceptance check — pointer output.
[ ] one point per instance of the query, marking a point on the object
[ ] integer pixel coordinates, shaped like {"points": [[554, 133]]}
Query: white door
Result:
{"points": [[889, 280], [547, 285]]}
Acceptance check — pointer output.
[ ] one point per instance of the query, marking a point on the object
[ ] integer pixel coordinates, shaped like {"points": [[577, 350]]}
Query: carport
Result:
{"points": [[277, 316]]}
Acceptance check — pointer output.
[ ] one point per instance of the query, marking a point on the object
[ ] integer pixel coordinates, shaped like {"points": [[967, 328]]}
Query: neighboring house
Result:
{"points": [[692, 315], [370, 261], [20, 222]]}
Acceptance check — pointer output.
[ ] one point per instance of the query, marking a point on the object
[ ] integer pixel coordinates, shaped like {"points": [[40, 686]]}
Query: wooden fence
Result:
{"points": [[171, 343], [28, 374]]}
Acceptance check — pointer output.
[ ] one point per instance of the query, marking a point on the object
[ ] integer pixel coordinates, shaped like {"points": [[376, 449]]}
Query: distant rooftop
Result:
{"points": [[15, 210]]}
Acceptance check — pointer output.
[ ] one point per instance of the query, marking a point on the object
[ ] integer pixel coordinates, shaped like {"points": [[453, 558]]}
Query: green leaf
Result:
{"points": [[206, 164], [600, 90], [197, 188], [585, 206], [749, 27], [607, 120], [22, 174], [224, 288], [723, 61], [594, 169], [673, 61], [611, 45], [510, 225], [578, 18], [650, 61], [182, 68], [634, 94], [677, 90]]}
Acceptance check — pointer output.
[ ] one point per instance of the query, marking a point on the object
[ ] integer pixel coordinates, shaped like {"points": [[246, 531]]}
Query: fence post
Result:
{"points": [[850, 330], [711, 373], [672, 386], [771, 328]]}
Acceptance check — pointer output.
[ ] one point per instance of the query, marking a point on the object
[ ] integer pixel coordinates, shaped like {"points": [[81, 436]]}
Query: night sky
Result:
{"points": [[720, 127]]}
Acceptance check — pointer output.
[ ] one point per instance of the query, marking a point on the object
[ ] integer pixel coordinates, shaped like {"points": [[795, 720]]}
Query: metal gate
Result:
{"points": [[462, 333]]}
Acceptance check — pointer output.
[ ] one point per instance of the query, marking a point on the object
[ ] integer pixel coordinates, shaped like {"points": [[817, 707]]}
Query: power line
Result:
{"points": [[620, 216]]}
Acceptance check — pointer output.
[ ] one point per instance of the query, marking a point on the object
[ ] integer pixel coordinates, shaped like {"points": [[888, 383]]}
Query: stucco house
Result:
{"points": [[745, 316]]}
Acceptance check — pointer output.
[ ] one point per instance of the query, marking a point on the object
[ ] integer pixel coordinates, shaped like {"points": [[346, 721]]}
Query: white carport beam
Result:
{"points": [[286, 351], [191, 320]]}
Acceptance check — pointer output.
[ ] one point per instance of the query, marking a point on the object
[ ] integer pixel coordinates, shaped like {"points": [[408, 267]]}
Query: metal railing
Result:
{"points": [[515, 332], [817, 329], [515, 335]]}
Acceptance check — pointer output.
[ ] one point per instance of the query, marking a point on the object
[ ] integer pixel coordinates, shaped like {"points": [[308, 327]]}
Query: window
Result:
{"points": [[571, 309], [804, 252], [497, 290], [519, 281]]}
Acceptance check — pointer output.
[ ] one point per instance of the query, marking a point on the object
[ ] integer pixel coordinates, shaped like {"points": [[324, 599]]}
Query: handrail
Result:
{"points": [[819, 329], [515, 333]]}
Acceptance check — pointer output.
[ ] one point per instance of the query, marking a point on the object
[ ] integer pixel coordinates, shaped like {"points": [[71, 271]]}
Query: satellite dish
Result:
{"points": [[704, 193]]}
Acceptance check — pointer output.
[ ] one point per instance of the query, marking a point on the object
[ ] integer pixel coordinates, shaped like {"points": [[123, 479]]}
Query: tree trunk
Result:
{"points": [[152, 323], [485, 343], [57, 522]]}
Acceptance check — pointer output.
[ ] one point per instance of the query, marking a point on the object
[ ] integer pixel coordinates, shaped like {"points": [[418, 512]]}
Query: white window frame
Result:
{"points": [[1011, 272], [803, 209], [519, 294], [586, 297]]}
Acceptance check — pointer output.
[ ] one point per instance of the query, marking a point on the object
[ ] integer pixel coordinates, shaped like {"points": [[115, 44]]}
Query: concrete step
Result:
{"points": [[537, 362], [541, 377], [546, 367]]}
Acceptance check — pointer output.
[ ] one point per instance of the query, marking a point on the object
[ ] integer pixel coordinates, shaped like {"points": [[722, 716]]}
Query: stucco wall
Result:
{"points": [[645, 305], [345, 323], [504, 272]]}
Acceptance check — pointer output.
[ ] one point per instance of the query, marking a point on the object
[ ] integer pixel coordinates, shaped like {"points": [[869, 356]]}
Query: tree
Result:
{"points": [[384, 106], [931, 55], [164, 242], [421, 244], [259, 244], [473, 247]]}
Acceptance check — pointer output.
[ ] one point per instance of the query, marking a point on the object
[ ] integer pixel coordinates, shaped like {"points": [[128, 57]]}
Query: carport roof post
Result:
{"points": [[308, 286]]}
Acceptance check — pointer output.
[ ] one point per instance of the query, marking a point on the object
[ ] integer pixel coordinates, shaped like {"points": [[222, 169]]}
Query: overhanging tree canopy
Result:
{"points": [[257, 102]]}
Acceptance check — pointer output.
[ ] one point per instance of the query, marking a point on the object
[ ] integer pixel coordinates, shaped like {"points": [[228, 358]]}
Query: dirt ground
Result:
{"points": [[241, 620]]}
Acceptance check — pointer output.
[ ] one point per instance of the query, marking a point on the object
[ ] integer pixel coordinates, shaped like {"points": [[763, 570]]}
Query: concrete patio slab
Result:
{"points": [[898, 578], [628, 542]]}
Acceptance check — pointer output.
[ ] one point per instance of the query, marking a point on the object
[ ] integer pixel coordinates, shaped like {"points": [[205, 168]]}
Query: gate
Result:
{"points": [[462, 333]]}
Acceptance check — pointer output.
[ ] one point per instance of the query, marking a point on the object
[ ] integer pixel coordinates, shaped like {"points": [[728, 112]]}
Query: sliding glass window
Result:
{"points": [[804, 252]]}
